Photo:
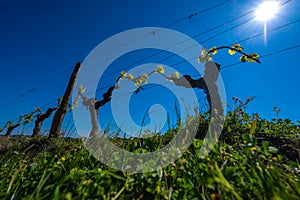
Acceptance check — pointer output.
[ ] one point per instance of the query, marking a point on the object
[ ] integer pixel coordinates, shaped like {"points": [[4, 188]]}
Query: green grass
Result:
{"points": [[243, 165]]}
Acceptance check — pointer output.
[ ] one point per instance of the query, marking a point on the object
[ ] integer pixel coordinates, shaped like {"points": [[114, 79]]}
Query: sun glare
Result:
{"points": [[267, 10]]}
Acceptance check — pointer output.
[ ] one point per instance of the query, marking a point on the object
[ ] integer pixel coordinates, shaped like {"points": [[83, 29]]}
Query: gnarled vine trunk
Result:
{"points": [[11, 128], [39, 121], [209, 84], [93, 105]]}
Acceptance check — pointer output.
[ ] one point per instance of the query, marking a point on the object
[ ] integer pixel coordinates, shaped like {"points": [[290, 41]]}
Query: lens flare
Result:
{"points": [[267, 10]]}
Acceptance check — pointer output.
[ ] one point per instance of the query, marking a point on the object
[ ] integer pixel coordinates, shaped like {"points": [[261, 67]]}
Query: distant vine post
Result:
{"points": [[63, 107]]}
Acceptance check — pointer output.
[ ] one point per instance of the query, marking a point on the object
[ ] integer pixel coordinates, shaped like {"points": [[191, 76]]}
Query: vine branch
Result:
{"points": [[237, 49]]}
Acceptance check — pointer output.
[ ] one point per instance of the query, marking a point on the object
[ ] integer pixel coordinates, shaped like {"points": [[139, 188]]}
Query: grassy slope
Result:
{"points": [[239, 167]]}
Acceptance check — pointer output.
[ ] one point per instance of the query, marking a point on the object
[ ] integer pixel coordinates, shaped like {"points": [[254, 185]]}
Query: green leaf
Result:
{"points": [[213, 50], [39, 109], [9, 124], [238, 47], [265, 144], [81, 89], [197, 143], [276, 198], [231, 52], [280, 157], [251, 58], [254, 55], [253, 127], [247, 138], [73, 172], [203, 52], [243, 58]]}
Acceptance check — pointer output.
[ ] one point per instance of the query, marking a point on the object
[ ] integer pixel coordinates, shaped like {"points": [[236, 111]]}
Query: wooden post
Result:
{"points": [[63, 108]]}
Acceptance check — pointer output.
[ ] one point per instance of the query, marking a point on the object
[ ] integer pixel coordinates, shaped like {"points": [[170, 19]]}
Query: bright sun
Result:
{"points": [[267, 10]]}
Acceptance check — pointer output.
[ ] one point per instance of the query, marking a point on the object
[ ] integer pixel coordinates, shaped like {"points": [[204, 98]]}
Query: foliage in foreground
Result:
{"points": [[239, 167]]}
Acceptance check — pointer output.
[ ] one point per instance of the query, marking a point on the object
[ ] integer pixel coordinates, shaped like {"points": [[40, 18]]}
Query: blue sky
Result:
{"points": [[42, 39]]}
